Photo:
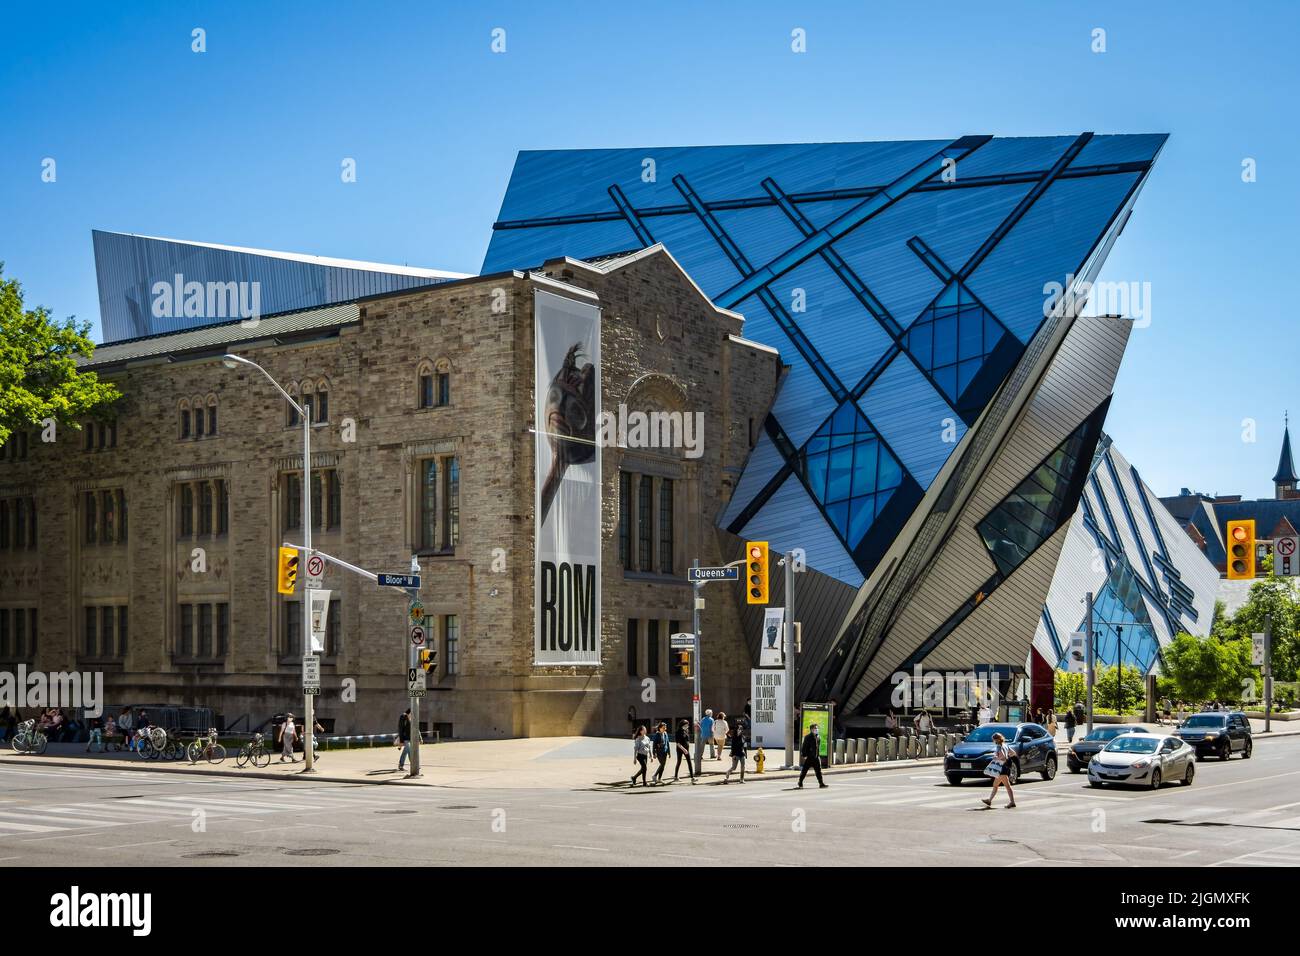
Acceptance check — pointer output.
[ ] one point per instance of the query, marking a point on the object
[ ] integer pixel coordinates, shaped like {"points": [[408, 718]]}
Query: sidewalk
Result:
{"points": [[536, 763]]}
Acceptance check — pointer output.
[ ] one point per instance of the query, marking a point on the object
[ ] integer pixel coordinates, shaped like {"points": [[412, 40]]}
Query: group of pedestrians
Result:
{"points": [[660, 746]]}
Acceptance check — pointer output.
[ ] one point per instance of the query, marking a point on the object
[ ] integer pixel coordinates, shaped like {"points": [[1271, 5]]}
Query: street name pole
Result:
{"points": [[413, 655], [309, 708], [1268, 673], [789, 661], [697, 589], [1090, 658]]}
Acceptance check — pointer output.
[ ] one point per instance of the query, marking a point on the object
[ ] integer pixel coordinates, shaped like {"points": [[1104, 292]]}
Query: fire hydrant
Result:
{"points": [[759, 760]]}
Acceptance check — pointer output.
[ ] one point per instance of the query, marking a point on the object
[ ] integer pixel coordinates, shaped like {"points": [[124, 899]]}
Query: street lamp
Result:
{"points": [[304, 413]]}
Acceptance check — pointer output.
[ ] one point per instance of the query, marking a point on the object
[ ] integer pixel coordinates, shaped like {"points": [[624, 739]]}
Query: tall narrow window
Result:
{"points": [[106, 522], [292, 628], [322, 405], [333, 630], [428, 503], [112, 434], [91, 521], [633, 667], [92, 618], [89, 429], [293, 501], [205, 508], [31, 633], [666, 526], [20, 522], [309, 406], [212, 417], [223, 507], [185, 518], [223, 629], [624, 516], [316, 481], [426, 388], [334, 518], [121, 631], [652, 648], [205, 630], [4, 633], [4, 525], [644, 539], [444, 388], [185, 640], [294, 419], [451, 504], [107, 617], [451, 628], [121, 515], [18, 632], [102, 432], [185, 422], [198, 420]]}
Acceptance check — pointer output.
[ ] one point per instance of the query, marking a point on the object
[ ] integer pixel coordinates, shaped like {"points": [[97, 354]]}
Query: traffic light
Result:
{"points": [[684, 663], [1241, 550], [756, 572], [428, 659], [287, 578]]}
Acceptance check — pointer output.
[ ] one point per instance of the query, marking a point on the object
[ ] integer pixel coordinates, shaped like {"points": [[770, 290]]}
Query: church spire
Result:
{"points": [[1285, 479]]}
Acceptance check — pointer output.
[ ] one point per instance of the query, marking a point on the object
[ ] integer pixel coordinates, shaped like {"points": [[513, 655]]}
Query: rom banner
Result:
{"points": [[567, 559]]}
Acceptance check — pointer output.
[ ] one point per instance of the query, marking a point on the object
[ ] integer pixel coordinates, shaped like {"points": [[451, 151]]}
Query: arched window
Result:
{"points": [[321, 411], [442, 382], [200, 420], [293, 413], [424, 385], [212, 414], [185, 418], [308, 400]]}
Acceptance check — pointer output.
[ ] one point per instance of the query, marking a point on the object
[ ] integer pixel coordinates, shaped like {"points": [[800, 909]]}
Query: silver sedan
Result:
{"points": [[1143, 760]]}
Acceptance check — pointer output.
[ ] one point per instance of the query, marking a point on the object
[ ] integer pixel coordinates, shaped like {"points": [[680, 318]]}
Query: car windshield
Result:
{"points": [[1107, 733], [1132, 745], [1205, 720], [984, 735]]}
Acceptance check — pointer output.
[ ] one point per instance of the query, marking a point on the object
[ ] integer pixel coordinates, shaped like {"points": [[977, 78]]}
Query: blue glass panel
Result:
{"points": [[864, 468], [839, 485], [818, 467]]}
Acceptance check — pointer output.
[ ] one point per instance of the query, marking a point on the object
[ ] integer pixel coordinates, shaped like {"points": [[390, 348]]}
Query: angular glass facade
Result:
{"points": [[901, 282]]}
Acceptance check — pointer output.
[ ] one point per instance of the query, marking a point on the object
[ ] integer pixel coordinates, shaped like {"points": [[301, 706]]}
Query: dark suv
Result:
{"points": [[1032, 749], [1218, 734]]}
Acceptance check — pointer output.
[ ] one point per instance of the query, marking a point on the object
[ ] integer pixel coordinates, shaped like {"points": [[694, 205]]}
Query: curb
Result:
{"points": [[211, 772]]}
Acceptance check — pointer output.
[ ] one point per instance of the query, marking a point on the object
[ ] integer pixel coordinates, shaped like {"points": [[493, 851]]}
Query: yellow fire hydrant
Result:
{"points": [[759, 760]]}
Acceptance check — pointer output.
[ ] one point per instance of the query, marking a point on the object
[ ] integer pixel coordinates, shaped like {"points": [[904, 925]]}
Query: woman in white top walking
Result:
{"points": [[720, 731], [288, 732], [1002, 758]]}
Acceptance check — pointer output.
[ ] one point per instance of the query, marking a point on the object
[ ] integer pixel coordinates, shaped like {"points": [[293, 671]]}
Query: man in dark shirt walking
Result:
{"points": [[404, 738], [811, 752]]}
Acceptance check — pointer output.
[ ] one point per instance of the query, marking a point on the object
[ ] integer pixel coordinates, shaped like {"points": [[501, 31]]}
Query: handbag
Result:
{"points": [[994, 768]]}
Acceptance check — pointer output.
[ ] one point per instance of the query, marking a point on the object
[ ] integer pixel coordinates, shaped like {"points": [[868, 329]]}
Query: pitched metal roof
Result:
{"points": [[1285, 466], [218, 339]]}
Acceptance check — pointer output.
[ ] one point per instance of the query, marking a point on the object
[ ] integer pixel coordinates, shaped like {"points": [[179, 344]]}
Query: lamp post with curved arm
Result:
{"points": [[304, 413]]}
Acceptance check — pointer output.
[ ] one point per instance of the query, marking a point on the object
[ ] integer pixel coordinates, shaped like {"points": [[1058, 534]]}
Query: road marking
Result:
{"points": [[25, 828], [123, 846], [573, 846], [70, 821], [1284, 806], [1178, 856], [671, 856]]}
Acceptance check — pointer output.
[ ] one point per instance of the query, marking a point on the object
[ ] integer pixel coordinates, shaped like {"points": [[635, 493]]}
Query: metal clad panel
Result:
{"points": [[784, 523], [913, 419]]}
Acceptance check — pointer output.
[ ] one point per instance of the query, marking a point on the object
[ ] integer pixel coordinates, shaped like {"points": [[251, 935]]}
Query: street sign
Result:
{"points": [[417, 635], [1257, 650], [1286, 563], [311, 674], [318, 603], [415, 682], [681, 642], [712, 574], [315, 575], [398, 580]]}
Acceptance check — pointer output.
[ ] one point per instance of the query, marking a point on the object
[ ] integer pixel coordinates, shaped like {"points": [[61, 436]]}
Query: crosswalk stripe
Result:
{"points": [[200, 805], [61, 821], [234, 802], [26, 827]]}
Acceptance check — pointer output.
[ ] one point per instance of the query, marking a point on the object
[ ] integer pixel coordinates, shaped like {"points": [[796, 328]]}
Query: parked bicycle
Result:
{"points": [[29, 740], [156, 743], [206, 747], [254, 752]]}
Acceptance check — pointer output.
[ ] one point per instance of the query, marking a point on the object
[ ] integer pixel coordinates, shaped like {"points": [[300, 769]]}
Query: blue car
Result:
{"points": [[1033, 749]]}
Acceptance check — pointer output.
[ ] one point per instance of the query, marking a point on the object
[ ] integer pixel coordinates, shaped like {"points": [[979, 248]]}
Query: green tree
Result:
{"points": [[1205, 668], [1070, 689], [1135, 688], [1276, 597], [39, 379]]}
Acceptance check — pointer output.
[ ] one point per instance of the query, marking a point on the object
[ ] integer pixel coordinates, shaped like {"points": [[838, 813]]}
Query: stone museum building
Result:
{"points": [[145, 546]]}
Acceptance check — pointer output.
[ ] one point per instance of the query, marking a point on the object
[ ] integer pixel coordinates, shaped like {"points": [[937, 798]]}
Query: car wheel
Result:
{"points": [[1049, 768], [955, 779], [1013, 772], [1155, 779], [1245, 752], [1225, 751], [1191, 772], [1095, 783]]}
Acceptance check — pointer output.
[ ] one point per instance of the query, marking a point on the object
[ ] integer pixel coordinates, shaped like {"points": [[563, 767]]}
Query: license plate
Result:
{"points": [[965, 766]]}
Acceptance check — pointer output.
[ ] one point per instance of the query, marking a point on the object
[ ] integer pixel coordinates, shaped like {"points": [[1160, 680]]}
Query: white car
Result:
{"points": [[1143, 760]]}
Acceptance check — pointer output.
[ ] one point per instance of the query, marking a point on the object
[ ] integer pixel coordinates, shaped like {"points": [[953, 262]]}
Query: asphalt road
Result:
{"points": [[1244, 812]]}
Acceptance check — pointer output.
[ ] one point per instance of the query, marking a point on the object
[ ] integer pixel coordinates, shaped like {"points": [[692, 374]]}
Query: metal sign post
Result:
{"points": [[1268, 673], [789, 662], [1091, 665], [415, 619], [697, 602]]}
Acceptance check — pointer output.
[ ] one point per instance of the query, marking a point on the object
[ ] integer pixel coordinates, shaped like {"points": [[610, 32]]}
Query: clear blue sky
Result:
{"points": [[242, 144]]}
